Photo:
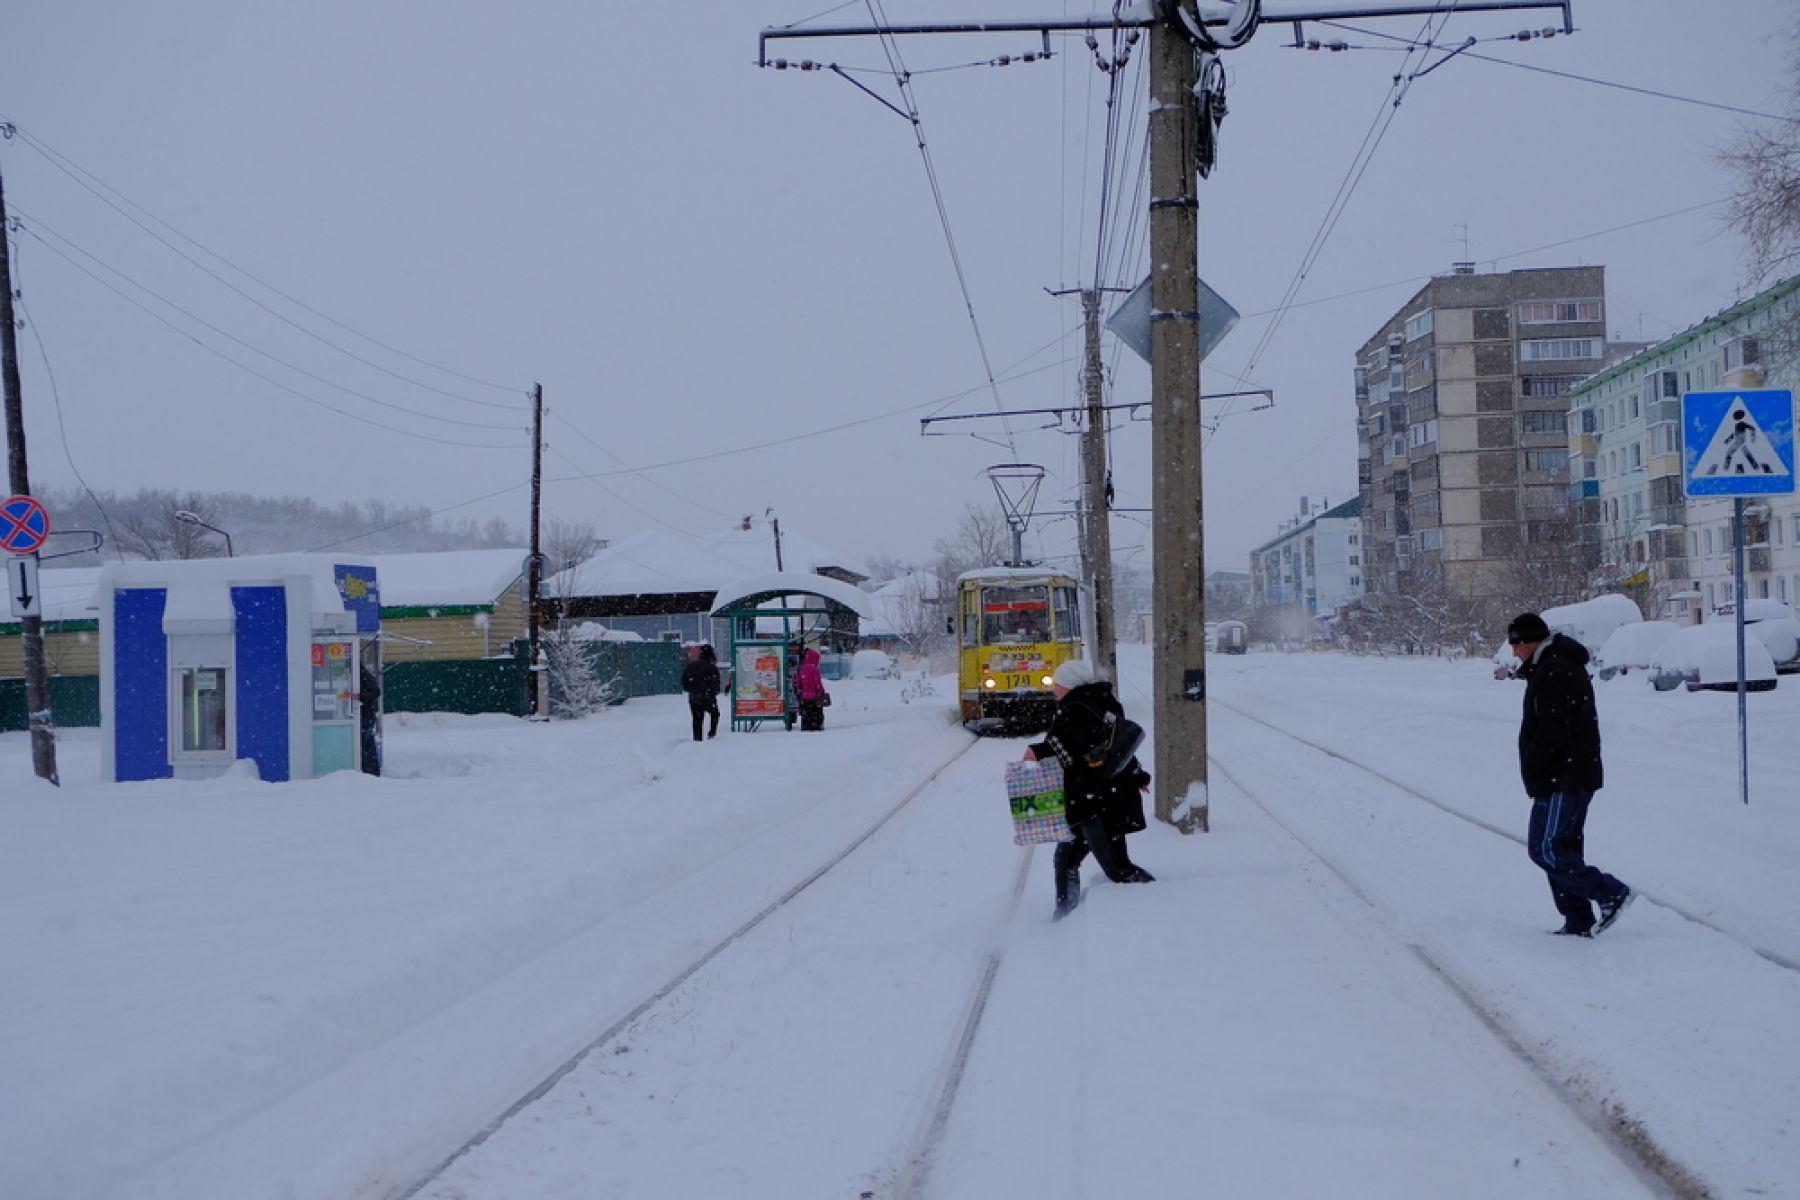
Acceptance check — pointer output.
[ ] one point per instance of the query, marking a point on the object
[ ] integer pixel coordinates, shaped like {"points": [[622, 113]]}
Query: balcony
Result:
{"points": [[1756, 558]]}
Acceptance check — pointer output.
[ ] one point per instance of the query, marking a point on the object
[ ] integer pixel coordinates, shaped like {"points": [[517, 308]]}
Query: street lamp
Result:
{"points": [[194, 519]]}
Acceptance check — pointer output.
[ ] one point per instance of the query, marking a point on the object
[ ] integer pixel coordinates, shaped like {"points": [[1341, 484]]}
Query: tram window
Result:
{"points": [[971, 628], [1068, 614], [1014, 615]]}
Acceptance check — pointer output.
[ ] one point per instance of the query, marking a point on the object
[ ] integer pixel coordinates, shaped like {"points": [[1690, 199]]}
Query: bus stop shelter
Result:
{"points": [[767, 614]]}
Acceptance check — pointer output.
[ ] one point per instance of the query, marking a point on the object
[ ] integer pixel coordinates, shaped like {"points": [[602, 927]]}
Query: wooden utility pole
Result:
{"points": [[538, 701], [1177, 526], [31, 629], [1098, 542]]}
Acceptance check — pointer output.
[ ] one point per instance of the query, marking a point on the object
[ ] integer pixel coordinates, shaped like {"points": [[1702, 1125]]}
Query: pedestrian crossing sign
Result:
{"points": [[1738, 443]]}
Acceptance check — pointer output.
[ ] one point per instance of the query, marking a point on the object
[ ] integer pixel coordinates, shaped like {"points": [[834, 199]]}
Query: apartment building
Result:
{"points": [[1314, 565], [1462, 399], [1671, 554]]}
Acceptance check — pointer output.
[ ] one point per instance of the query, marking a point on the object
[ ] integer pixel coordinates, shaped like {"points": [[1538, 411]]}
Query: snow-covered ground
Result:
{"points": [[325, 989]]}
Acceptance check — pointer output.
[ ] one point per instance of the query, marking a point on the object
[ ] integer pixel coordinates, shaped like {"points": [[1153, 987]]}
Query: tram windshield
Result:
{"points": [[1015, 615]]}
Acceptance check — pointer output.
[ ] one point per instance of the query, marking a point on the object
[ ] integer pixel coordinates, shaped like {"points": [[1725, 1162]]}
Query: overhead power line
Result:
{"points": [[213, 350], [105, 193], [32, 227]]}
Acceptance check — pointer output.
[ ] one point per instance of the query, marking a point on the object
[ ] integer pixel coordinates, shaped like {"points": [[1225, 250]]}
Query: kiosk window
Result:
{"points": [[202, 691]]}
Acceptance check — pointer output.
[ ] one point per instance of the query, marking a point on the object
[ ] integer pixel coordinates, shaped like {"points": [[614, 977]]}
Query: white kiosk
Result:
{"points": [[207, 662]]}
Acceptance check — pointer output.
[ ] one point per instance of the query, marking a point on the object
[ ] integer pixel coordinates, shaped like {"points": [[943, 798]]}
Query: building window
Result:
{"points": [[1637, 456], [1558, 349], [1544, 422], [1708, 536], [1355, 560], [1546, 460], [1356, 581], [1418, 325], [1550, 312]]}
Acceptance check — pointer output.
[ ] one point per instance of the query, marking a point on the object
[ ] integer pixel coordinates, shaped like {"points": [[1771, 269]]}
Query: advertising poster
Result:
{"points": [[757, 687]]}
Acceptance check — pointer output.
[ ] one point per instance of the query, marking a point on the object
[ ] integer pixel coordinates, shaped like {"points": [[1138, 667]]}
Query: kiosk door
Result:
{"points": [[334, 695]]}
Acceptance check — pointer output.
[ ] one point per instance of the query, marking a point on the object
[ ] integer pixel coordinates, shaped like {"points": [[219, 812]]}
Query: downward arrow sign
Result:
{"points": [[21, 585]]}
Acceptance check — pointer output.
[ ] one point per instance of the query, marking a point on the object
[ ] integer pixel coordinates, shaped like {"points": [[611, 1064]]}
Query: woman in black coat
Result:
{"points": [[1100, 811], [700, 680]]}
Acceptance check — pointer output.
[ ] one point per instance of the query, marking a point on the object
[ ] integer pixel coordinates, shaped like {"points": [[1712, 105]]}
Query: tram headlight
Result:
{"points": [[987, 683], [1048, 680]]}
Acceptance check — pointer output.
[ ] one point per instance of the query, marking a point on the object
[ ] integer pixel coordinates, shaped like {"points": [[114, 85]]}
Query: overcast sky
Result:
{"points": [[745, 269]]}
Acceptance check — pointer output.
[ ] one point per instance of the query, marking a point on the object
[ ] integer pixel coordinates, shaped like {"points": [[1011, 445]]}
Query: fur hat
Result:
{"points": [[1526, 628], [1074, 673]]}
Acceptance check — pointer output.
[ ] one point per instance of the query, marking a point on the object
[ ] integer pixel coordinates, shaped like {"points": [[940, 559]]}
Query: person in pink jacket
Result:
{"points": [[809, 690]]}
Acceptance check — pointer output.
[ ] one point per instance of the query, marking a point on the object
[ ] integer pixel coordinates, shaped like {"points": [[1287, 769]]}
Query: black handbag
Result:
{"points": [[1110, 758], [824, 700]]}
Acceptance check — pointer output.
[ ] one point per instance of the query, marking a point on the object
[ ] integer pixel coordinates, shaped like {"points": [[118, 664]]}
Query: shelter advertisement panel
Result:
{"points": [[758, 689]]}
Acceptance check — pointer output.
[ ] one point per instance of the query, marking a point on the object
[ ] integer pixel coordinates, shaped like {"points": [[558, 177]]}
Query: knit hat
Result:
{"points": [[1527, 627], [1074, 673]]}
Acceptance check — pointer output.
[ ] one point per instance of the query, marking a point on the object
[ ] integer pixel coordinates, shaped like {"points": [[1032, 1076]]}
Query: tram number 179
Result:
{"points": [[1012, 680]]}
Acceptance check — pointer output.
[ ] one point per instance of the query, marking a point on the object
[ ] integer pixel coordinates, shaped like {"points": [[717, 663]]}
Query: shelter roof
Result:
{"points": [[753, 590]]}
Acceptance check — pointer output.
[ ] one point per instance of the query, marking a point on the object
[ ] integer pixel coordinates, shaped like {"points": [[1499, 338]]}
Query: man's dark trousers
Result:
{"points": [[1555, 844]]}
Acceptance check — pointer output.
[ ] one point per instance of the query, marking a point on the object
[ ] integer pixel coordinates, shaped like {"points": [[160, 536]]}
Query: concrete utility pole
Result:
{"points": [[538, 702], [1178, 34], [1177, 526], [1099, 493], [31, 629]]}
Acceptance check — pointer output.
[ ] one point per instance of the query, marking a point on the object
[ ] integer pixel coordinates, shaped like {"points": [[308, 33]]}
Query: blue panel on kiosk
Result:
{"points": [[262, 679], [140, 716]]}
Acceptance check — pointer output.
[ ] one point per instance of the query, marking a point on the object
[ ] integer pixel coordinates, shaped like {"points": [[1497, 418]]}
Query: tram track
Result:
{"points": [[1786, 962], [417, 1185], [1611, 1121]]}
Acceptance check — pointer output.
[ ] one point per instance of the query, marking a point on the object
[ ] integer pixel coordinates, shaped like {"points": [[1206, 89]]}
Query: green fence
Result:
{"points": [[74, 701], [484, 685], [498, 685], [628, 669]]}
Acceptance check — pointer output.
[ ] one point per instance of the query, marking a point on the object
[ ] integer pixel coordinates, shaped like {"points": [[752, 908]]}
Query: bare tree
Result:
{"points": [[1553, 564], [148, 528], [920, 615], [1764, 162], [982, 539], [568, 544]]}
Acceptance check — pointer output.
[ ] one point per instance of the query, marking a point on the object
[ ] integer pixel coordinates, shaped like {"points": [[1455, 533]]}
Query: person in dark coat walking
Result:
{"points": [[1559, 759], [700, 680], [1100, 811]]}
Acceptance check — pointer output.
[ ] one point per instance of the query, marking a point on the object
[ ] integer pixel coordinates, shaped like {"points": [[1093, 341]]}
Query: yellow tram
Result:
{"points": [[1014, 626]]}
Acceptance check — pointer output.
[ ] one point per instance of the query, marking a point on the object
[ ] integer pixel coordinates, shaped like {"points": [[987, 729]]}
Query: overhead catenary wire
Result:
{"points": [[1579, 78], [892, 50], [1365, 154], [105, 192]]}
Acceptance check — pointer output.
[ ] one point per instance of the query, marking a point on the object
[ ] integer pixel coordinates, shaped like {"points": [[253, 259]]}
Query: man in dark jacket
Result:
{"points": [[700, 680], [1100, 811], [1559, 759]]}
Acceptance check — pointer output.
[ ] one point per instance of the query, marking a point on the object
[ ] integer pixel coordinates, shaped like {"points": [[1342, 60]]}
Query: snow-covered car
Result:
{"points": [[1705, 657], [1782, 637], [1631, 647], [1773, 623], [872, 664], [1591, 622]]}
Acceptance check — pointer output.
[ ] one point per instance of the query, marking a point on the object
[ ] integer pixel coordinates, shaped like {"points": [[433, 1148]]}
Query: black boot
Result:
{"points": [[1068, 891]]}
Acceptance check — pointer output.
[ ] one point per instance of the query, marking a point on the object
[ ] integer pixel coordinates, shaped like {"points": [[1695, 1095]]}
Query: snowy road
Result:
{"points": [[324, 990]]}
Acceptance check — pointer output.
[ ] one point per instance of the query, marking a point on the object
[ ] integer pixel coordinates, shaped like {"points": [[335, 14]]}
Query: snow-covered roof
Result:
{"points": [[734, 592], [446, 576], [196, 584], [661, 561]]}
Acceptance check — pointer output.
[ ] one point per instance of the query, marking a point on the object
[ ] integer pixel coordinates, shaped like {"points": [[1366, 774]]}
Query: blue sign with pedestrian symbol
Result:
{"points": [[1738, 443]]}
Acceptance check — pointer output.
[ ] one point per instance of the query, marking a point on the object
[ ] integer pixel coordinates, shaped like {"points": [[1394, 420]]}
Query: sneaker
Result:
{"points": [[1610, 910], [1572, 931]]}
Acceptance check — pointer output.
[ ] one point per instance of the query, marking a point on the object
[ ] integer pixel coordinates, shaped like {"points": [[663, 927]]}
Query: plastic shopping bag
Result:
{"points": [[1034, 791]]}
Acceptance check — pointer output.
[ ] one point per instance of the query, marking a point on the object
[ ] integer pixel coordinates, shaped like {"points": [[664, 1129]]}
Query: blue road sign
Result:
{"points": [[1738, 443], [23, 524]]}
